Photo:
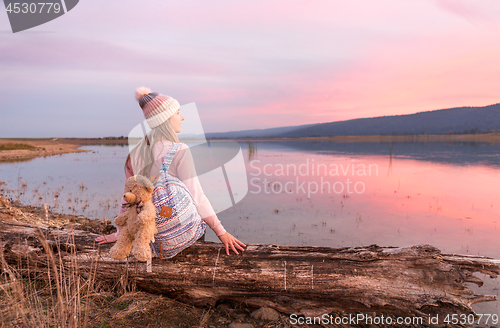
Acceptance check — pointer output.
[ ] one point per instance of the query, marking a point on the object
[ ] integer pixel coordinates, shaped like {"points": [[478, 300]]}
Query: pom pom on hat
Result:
{"points": [[140, 92]]}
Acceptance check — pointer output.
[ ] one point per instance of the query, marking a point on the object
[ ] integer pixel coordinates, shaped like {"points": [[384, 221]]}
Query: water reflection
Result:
{"points": [[460, 153], [252, 150], [354, 202], [423, 193], [88, 184]]}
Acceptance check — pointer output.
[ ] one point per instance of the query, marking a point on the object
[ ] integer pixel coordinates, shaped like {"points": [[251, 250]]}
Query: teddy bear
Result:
{"points": [[137, 224]]}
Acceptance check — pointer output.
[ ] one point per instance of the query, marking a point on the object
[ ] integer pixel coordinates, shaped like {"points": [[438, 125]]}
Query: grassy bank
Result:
{"points": [[15, 146], [25, 149]]}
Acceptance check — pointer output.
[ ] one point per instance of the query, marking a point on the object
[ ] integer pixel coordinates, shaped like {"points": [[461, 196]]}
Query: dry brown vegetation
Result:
{"points": [[15, 146], [61, 297], [25, 149]]}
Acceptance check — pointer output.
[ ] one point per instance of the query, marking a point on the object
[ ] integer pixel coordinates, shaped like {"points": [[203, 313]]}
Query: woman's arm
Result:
{"points": [[215, 224], [183, 167], [186, 172]]}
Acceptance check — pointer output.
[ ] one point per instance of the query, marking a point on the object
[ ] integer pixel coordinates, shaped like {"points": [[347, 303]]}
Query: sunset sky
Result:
{"points": [[246, 64]]}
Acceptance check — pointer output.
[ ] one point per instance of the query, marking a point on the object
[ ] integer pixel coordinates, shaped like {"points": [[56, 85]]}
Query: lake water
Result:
{"points": [[313, 193]]}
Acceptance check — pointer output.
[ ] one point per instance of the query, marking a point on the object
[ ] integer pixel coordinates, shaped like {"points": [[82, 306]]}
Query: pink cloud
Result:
{"points": [[472, 11], [93, 55], [425, 75]]}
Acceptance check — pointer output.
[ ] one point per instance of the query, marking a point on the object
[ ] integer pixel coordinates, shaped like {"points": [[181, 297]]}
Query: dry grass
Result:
{"points": [[252, 149], [15, 146], [57, 294], [19, 150], [56, 297]]}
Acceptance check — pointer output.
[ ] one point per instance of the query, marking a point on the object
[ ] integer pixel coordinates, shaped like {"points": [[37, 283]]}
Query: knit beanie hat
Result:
{"points": [[156, 107]]}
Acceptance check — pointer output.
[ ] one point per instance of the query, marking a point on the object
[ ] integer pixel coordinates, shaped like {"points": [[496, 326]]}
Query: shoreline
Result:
{"points": [[493, 138], [486, 137], [56, 146]]}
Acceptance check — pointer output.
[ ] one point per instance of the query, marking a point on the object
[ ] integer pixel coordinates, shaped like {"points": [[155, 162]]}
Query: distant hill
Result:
{"points": [[257, 133], [465, 120]]}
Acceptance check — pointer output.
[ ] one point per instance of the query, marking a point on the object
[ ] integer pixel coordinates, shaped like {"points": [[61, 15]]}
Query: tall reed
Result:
{"points": [[55, 295]]}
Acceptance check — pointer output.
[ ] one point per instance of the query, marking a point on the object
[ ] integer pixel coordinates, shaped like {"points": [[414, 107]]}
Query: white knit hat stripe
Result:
{"points": [[166, 105], [158, 119], [163, 113]]}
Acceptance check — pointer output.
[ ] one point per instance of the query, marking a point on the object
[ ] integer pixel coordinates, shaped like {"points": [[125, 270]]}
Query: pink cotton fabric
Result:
{"points": [[182, 167]]}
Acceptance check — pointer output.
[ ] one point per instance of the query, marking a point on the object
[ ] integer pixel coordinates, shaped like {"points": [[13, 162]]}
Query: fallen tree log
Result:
{"points": [[416, 280]]}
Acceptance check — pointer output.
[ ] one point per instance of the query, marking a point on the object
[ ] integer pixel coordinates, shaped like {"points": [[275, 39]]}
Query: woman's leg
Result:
{"points": [[111, 238]]}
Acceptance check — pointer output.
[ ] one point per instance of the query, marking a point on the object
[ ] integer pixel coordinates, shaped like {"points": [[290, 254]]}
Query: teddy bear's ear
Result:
{"points": [[145, 182]]}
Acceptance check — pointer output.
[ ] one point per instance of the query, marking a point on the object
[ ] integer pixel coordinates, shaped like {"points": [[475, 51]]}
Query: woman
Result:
{"points": [[164, 118]]}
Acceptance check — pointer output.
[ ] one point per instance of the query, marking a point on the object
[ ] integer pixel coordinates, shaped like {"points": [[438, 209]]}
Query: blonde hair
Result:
{"points": [[141, 159]]}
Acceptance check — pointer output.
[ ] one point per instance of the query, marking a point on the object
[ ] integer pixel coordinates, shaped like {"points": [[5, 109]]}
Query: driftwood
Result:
{"points": [[416, 280]]}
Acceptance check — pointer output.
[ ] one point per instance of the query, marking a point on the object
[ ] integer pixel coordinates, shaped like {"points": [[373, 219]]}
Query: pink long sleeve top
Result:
{"points": [[182, 167]]}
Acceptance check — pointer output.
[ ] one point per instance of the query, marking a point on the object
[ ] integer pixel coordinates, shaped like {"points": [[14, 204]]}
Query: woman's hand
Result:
{"points": [[229, 241], [111, 238]]}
